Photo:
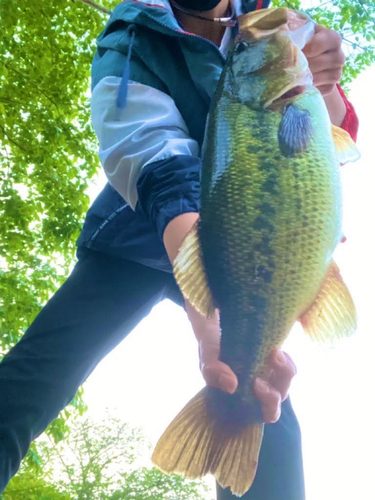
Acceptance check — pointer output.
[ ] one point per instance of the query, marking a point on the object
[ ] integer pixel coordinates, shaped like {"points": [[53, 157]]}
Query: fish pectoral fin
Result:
{"points": [[190, 275], [332, 315], [346, 149], [195, 444], [294, 130]]}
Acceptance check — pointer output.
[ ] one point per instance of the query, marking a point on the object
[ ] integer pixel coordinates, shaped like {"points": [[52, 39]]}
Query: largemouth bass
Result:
{"points": [[262, 251]]}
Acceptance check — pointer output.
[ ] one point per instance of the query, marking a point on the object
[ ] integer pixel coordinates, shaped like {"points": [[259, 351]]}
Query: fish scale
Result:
{"points": [[251, 250], [237, 234]]}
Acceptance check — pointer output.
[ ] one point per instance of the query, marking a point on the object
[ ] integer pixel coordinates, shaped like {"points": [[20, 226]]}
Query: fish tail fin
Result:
{"points": [[196, 443], [332, 315]]}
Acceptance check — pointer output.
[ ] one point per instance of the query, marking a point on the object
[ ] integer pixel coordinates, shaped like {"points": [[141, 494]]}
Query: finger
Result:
{"points": [[327, 77], [202, 325], [324, 40], [219, 375], [270, 400], [278, 358], [328, 60], [207, 332], [209, 348], [283, 371]]}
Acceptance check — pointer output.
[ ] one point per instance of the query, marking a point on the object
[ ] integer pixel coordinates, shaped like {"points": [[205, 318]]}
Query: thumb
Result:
{"points": [[207, 332]]}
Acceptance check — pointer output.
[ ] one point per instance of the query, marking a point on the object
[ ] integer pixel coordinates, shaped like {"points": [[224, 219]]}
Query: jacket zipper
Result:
{"points": [[187, 35]]}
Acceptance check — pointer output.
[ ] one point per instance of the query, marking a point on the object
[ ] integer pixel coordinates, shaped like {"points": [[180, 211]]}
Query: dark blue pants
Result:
{"points": [[99, 304]]}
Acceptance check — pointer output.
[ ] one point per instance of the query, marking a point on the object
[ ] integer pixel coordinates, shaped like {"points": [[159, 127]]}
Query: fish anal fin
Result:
{"points": [[346, 149], [190, 275], [196, 444], [332, 315]]}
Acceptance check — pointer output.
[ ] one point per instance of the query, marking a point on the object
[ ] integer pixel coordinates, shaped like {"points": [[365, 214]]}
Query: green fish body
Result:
{"points": [[270, 221], [269, 225]]}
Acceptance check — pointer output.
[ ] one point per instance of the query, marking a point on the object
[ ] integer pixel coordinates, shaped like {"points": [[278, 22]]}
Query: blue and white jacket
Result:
{"points": [[150, 149]]}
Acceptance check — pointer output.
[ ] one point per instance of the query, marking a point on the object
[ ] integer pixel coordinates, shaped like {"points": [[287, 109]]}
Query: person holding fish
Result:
{"points": [[153, 78]]}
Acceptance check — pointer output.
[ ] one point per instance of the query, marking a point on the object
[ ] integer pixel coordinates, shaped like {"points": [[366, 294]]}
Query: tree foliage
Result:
{"points": [[48, 149], [97, 461], [47, 153]]}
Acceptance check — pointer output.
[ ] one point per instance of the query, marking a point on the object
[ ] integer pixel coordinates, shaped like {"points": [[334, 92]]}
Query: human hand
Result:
{"points": [[326, 59], [270, 393], [274, 391]]}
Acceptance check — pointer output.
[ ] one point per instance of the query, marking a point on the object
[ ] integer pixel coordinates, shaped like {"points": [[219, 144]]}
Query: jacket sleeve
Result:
{"points": [[146, 151], [350, 123]]}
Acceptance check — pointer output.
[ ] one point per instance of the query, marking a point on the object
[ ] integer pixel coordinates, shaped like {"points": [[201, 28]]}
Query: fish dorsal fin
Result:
{"points": [[332, 315], [190, 275], [346, 149]]}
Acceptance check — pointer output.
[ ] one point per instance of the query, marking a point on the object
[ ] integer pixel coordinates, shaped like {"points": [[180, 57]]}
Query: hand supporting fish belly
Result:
{"points": [[262, 250]]}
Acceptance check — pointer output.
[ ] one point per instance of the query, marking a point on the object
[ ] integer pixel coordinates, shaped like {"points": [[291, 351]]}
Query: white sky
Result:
{"points": [[154, 372]]}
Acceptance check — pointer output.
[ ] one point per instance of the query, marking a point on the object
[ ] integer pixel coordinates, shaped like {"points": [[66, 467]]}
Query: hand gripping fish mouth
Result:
{"points": [[277, 37]]}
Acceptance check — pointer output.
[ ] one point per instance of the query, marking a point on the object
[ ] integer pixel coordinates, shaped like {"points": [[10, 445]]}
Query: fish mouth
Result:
{"points": [[286, 95], [293, 92]]}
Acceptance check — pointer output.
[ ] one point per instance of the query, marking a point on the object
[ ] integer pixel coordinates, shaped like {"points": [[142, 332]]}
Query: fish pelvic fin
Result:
{"points": [[190, 275], [196, 444], [332, 315], [346, 149]]}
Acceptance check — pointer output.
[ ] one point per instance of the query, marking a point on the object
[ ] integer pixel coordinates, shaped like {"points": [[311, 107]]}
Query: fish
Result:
{"points": [[262, 250]]}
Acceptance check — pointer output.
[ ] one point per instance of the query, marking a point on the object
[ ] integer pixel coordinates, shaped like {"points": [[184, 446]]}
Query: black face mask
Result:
{"points": [[199, 5]]}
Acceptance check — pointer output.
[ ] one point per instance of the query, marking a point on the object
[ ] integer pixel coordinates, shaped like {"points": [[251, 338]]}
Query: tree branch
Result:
{"points": [[36, 86], [12, 140], [22, 104], [96, 6], [354, 44], [67, 469]]}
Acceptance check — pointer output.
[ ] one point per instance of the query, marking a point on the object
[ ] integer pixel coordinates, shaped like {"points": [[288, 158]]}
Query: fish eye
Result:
{"points": [[241, 47]]}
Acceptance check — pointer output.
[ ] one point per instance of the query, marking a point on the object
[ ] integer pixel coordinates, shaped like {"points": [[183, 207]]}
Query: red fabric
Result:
{"points": [[259, 5], [350, 123]]}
